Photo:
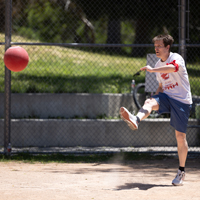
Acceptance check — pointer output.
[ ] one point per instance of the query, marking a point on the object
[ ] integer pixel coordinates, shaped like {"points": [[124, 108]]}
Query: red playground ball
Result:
{"points": [[16, 58]]}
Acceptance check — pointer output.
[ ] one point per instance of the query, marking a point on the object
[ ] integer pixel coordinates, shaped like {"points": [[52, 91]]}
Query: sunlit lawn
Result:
{"points": [[67, 70]]}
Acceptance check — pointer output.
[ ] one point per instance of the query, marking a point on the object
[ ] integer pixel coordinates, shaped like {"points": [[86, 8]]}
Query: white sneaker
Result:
{"points": [[179, 178], [130, 119]]}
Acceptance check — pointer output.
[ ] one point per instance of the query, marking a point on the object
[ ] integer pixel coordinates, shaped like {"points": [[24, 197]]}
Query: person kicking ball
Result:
{"points": [[172, 96]]}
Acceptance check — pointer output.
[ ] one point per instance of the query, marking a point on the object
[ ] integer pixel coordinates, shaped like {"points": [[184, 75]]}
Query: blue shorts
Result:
{"points": [[179, 111]]}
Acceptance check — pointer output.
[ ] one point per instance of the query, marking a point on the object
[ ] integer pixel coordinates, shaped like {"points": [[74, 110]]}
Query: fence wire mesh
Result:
{"points": [[83, 55]]}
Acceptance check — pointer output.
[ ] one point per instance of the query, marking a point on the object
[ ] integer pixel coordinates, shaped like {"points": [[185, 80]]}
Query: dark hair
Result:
{"points": [[167, 39]]}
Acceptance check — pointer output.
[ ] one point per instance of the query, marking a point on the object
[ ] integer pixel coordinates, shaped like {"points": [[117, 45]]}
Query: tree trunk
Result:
{"points": [[114, 34], [140, 38], [2, 16]]}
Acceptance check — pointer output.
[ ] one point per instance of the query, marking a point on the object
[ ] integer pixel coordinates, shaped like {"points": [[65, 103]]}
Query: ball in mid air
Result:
{"points": [[16, 58]]}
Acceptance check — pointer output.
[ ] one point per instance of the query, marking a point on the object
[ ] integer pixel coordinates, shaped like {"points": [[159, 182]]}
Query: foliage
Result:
{"points": [[50, 22], [45, 22]]}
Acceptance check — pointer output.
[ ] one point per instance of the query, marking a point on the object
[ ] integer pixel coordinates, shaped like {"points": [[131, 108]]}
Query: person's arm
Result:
{"points": [[159, 89], [164, 69]]}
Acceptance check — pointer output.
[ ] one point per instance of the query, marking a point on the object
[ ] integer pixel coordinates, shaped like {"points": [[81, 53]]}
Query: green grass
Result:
{"points": [[122, 157], [67, 70], [194, 77]]}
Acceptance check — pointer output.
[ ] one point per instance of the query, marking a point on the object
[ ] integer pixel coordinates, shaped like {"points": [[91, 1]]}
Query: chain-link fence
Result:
{"points": [[83, 55]]}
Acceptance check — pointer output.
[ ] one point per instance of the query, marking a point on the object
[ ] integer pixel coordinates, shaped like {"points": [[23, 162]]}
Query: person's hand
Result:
{"points": [[148, 68]]}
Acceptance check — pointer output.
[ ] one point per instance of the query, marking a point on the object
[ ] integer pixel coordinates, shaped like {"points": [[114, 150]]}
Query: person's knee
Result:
{"points": [[152, 103], [181, 138]]}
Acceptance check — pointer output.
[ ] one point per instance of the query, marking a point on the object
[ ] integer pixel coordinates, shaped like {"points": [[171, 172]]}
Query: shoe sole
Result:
{"points": [[177, 184], [125, 116]]}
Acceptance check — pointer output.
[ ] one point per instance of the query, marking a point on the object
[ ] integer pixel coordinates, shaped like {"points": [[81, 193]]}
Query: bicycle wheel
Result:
{"points": [[140, 96]]}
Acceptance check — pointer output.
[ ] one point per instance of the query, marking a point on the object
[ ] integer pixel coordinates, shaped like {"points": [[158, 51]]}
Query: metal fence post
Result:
{"points": [[182, 29], [7, 93]]}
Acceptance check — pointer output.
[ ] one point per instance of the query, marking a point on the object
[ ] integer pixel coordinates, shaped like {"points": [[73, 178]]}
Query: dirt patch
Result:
{"points": [[112, 181]]}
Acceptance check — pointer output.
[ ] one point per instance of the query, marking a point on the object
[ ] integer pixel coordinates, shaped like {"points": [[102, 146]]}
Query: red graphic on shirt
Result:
{"points": [[171, 86], [164, 76], [175, 64]]}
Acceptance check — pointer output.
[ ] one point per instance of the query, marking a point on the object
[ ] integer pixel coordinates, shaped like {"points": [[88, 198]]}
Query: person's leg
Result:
{"points": [[182, 154], [182, 147], [144, 112]]}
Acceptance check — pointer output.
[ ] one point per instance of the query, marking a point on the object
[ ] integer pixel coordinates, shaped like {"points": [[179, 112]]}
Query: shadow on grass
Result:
{"points": [[72, 84], [195, 72], [123, 157]]}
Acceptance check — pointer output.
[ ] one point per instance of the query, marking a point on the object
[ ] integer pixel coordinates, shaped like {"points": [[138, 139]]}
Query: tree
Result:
{"points": [[2, 15], [114, 26]]}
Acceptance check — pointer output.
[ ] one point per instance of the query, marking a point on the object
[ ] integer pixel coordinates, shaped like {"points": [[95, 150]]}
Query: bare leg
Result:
{"points": [[182, 147], [133, 121], [149, 105]]}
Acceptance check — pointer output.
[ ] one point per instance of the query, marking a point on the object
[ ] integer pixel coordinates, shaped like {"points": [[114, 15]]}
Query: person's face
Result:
{"points": [[160, 49]]}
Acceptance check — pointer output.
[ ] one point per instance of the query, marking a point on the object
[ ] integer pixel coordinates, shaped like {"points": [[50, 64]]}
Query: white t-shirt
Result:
{"points": [[175, 84]]}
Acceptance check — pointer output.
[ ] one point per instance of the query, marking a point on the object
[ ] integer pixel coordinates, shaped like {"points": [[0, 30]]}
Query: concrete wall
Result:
{"points": [[43, 132], [45, 106], [66, 105], [94, 133]]}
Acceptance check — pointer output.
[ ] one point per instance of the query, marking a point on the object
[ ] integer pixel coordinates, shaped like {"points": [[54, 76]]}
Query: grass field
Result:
{"points": [[67, 70], [98, 158]]}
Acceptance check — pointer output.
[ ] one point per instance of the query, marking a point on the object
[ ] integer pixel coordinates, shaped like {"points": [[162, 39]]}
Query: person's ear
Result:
{"points": [[168, 47]]}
